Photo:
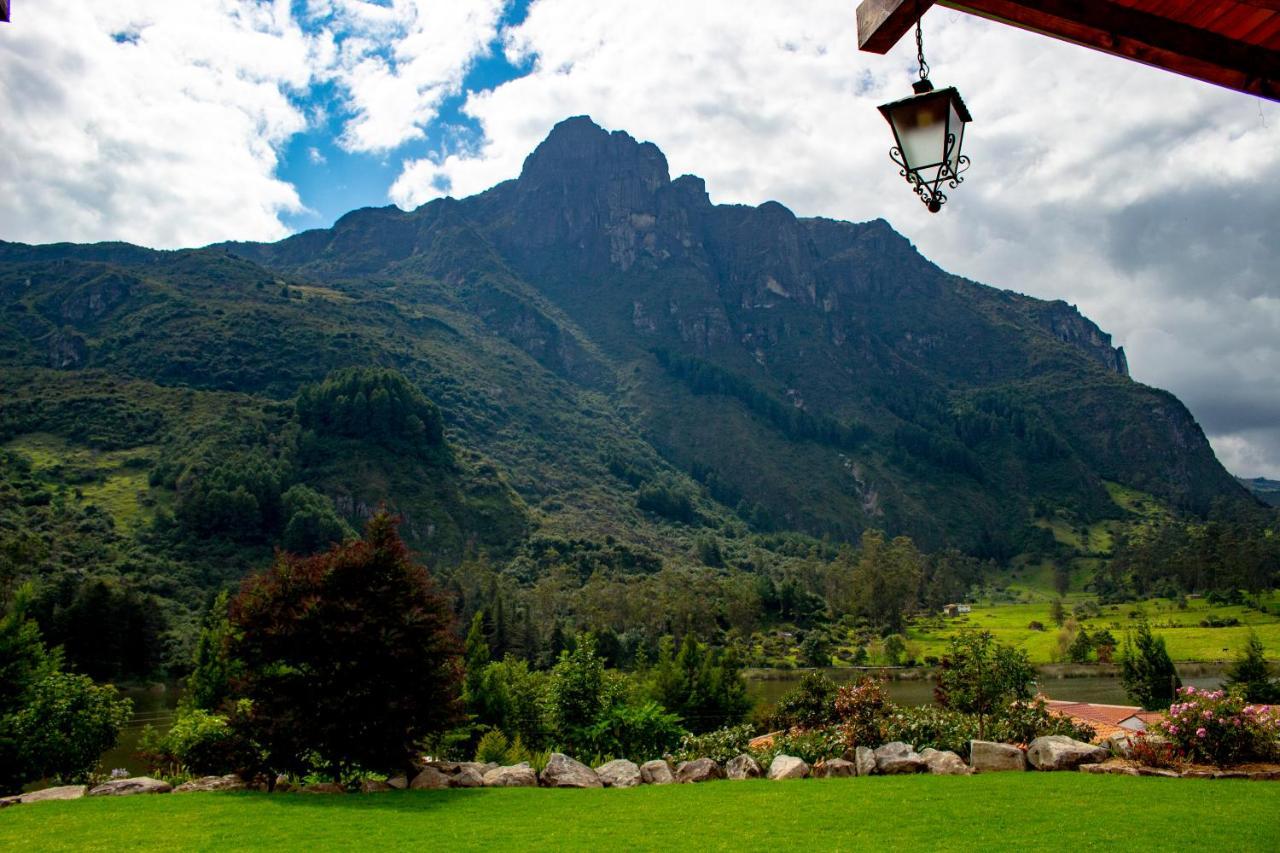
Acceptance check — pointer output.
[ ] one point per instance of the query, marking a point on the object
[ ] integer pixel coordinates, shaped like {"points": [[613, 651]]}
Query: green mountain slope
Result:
{"points": [[618, 364]]}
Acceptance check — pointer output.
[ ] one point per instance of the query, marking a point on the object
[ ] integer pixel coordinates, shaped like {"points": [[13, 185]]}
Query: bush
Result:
{"points": [[1023, 722], [860, 708], [639, 732], [930, 726], [1154, 751], [720, 745], [493, 746], [809, 704], [1217, 727], [67, 724], [811, 745]]}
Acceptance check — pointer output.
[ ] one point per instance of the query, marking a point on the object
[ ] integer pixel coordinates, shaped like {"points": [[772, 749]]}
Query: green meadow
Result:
{"points": [[1025, 811]]}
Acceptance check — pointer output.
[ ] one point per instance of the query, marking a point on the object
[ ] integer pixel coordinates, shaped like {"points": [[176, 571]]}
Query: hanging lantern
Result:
{"points": [[929, 130]]}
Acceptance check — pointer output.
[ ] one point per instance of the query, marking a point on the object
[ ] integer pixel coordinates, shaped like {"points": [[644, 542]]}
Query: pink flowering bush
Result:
{"points": [[1217, 727]]}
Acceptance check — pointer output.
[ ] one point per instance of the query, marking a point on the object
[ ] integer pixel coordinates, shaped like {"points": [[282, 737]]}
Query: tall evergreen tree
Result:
{"points": [[1250, 673], [1146, 670]]}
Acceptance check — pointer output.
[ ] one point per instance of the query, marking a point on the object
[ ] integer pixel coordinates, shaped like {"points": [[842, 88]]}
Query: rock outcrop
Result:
{"points": [[988, 757], [619, 774], [788, 767], [564, 772], [1059, 752], [132, 785], [698, 770], [896, 758], [513, 776], [656, 772], [742, 767]]}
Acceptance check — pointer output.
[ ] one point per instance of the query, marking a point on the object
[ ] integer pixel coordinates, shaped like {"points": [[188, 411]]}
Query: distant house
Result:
{"points": [[956, 609], [1106, 720]]}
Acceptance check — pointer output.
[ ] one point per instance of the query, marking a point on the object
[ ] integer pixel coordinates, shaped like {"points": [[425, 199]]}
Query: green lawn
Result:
{"points": [[1186, 640], [1060, 811]]}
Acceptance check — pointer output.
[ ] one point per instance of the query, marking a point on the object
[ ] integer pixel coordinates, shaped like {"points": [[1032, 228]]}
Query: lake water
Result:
{"points": [[154, 706], [767, 686]]}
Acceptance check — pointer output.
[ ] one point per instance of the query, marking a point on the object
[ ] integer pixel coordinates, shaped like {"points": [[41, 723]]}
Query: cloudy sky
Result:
{"points": [[1149, 200]]}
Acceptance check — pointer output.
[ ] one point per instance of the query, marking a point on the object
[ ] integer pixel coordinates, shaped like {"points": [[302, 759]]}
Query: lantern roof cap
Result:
{"points": [[949, 92]]}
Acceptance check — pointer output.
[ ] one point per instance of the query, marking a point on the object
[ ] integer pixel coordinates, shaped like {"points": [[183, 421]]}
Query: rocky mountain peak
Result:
{"points": [[578, 151]]}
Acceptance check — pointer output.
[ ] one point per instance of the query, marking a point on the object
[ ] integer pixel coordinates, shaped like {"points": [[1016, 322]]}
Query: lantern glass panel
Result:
{"points": [[921, 126], [956, 127]]}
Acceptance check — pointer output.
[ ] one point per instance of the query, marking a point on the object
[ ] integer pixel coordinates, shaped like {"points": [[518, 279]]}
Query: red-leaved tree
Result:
{"points": [[349, 658]]}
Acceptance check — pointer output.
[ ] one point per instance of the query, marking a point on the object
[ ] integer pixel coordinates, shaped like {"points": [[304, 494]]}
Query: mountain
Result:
{"points": [[622, 368], [1266, 490]]}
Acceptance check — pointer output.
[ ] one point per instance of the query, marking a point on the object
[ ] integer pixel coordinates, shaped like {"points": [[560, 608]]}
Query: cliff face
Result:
{"points": [[810, 373]]}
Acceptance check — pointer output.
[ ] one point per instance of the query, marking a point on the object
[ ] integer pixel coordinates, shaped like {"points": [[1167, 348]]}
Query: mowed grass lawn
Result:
{"points": [[1024, 811]]}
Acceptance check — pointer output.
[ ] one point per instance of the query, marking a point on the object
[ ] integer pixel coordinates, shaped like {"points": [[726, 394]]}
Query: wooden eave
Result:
{"points": [[1231, 43]]}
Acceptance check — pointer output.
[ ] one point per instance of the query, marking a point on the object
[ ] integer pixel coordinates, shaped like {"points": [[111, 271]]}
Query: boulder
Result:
{"points": [[1158, 771], [375, 786], [834, 768], [5, 802], [897, 757], [619, 774], [322, 788], [563, 772], [282, 786], [62, 792], [230, 782], [1111, 768], [398, 782], [788, 767], [864, 761], [1059, 752], [988, 757], [698, 770], [742, 767], [656, 772], [514, 776], [944, 763], [430, 779], [468, 776], [132, 785], [1120, 743]]}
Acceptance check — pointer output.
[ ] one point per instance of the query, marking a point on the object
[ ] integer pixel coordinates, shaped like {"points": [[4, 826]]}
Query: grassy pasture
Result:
{"points": [[1059, 811]]}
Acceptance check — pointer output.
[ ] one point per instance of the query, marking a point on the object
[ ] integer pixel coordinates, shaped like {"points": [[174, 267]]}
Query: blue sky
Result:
{"points": [[338, 180]]}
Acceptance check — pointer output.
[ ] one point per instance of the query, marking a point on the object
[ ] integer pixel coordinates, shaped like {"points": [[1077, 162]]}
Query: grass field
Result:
{"points": [[1059, 811], [1181, 629]]}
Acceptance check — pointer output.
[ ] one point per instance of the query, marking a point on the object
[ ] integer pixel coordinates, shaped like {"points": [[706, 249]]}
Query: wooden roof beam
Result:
{"points": [[1105, 26], [4, 11]]}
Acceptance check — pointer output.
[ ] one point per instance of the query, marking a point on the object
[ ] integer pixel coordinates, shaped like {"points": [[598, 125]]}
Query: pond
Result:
{"points": [[154, 706], [915, 687]]}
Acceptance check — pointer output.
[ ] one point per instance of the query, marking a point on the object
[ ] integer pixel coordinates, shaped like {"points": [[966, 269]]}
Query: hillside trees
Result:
{"points": [[348, 657], [886, 580]]}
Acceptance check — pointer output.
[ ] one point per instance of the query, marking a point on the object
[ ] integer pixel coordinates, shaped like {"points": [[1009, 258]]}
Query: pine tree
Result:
{"points": [[1146, 671], [1251, 675]]}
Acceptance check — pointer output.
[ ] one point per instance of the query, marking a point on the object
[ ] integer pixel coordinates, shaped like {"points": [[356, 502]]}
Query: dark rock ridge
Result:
{"points": [[813, 374]]}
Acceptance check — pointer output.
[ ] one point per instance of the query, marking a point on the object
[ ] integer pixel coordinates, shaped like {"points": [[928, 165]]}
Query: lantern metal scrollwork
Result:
{"points": [[929, 130]]}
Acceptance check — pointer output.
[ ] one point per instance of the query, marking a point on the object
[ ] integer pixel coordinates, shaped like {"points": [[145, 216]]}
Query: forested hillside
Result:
{"points": [[598, 401]]}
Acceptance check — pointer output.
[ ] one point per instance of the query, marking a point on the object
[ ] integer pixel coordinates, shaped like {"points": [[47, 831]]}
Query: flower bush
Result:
{"points": [[1217, 727]]}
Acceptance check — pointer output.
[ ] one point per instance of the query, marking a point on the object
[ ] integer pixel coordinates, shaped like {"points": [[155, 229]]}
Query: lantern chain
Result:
{"points": [[924, 66]]}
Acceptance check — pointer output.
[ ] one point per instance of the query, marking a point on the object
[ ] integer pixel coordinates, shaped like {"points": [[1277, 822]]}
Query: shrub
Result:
{"points": [[493, 746], [639, 732], [1146, 671], [67, 724], [720, 745], [1217, 727], [981, 676], [930, 726], [1023, 722], [809, 704], [811, 745], [860, 707]]}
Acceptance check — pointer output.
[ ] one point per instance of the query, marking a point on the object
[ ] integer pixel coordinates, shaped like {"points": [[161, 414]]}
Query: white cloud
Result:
{"points": [[396, 63], [1092, 176], [164, 136]]}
